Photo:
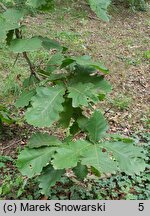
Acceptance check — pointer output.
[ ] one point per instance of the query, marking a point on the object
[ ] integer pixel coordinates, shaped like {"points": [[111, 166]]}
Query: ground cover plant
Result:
{"points": [[65, 90]]}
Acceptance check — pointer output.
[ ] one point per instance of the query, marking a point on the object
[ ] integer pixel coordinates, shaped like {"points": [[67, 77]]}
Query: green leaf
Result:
{"points": [[30, 162], [46, 106], [25, 45], [54, 62], [104, 85], [30, 82], [100, 8], [43, 139], [3, 34], [80, 171], [9, 20], [85, 75], [119, 137], [25, 98], [65, 116], [87, 62], [96, 126], [95, 172], [66, 62], [48, 43], [129, 157], [101, 161], [5, 117], [81, 94], [69, 155], [2, 165], [13, 16], [48, 178]]}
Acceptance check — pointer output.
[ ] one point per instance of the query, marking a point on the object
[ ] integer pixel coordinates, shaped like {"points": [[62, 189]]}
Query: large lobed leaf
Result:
{"points": [[25, 98], [89, 154], [80, 171], [66, 115], [130, 158], [69, 155], [101, 161], [84, 151], [33, 44], [54, 62], [31, 161], [100, 8], [9, 20], [107, 157], [25, 45], [86, 75], [87, 62], [81, 94], [48, 43], [43, 139], [96, 126], [46, 106], [48, 178]]}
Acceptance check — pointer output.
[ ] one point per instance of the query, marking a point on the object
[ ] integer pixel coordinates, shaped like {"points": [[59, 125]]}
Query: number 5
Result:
{"points": [[141, 206]]}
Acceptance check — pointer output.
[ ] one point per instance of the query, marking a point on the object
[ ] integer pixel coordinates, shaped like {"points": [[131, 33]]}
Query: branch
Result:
{"points": [[107, 111], [3, 6], [16, 59], [15, 142], [31, 66]]}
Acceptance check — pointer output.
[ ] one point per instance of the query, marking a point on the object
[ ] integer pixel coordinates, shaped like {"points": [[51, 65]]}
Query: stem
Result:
{"points": [[3, 6], [31, 66], [16, 59]]}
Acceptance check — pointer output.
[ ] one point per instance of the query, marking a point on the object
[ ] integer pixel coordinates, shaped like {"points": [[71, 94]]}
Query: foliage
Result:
{"points": [[100, 8], [65, 88]]}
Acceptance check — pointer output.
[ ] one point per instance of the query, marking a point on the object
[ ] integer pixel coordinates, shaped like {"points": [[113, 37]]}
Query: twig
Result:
{"points": [[139, 81], [16, 142], [94, 18], [31, 66], [3, 6], [107, 110], [16, 59]]}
